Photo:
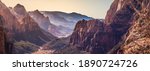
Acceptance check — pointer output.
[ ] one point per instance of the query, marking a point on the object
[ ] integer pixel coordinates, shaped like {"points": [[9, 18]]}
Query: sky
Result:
{"points": [[93, 8]]}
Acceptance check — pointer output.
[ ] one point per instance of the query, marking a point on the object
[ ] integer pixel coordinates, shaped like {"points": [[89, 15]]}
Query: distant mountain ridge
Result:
{"points": [[61, 24], [45, 23], [62, 18]]}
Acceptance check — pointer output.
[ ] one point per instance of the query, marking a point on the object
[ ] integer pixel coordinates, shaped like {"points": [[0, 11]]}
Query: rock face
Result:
{"points": [[121, 9], [92, 36], [137, 40], [98, 37], [46, 25], [2, 40], [10, 20], [43, 21], [120, 16], [19, 25], [109, 32], [28, 29], [26, 23], [6, 45], [110, 15], [131, 15]]}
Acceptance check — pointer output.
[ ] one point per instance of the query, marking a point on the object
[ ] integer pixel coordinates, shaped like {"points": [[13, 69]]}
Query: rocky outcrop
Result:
{"points": [[112, 11], [122, 16], [6, 45], [119, 17], [92, 36], [46, 25], [26, 23], [137, 40], [28, 26], [2, 40], [43, 21], [19, 25], [10, 20], [132, 28], [99, 37], [121, 11]]}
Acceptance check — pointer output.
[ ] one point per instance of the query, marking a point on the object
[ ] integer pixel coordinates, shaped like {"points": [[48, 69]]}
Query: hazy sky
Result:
{"points": [[92, 8]]}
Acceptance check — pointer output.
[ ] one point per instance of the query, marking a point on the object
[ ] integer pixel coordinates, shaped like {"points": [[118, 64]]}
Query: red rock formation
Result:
{"points": [[92, 37], [26, 23], [2, 40], [131, 15], [10, 20], [45, 23], [6, 45], [96, 37], [110, 15], [29, 26], [120, 16], [19, 25], [137, 40]]}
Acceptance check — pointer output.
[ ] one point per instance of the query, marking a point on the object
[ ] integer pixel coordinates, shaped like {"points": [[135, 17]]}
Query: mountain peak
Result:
{"points": [[19, 6], [37, 12], [74, 13], [20, 9]]}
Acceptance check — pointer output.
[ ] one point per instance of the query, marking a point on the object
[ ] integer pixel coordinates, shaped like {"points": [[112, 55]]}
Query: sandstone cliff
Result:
{"points": [[2, 40], [92, 36], [137, 40]]}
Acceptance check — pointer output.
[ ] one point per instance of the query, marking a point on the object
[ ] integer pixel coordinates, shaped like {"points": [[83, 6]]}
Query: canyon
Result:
{"points": [[125, 30]]}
